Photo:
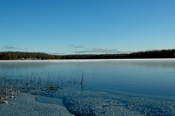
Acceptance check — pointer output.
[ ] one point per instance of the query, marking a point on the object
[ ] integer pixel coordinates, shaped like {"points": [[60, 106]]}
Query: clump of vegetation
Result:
{"points": [[8, 89], [11, 87]]}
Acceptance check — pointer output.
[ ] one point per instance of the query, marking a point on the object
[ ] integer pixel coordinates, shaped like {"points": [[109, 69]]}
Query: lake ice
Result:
{"points": [[109, 87]]}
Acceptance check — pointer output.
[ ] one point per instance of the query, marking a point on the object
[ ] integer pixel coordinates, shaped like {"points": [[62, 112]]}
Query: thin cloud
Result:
{"points": [[102, 51], [80, 46], [8, 47], [58, 53], [55, 53], [98, 50], [22, 49], [24, 14]]}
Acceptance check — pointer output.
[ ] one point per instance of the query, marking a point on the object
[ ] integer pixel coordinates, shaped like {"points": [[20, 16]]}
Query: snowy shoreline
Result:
{"points": [[91, 60], [27, 105]]}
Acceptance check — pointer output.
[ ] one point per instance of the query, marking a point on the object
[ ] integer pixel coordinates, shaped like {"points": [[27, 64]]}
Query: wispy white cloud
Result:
{"points": [[75, 46], [7, 47], [55, 53], [58, 53], [98, 50], [22, 48]]}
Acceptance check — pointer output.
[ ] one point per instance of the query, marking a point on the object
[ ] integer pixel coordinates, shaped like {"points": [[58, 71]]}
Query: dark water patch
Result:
{"points": [[49, 100]]}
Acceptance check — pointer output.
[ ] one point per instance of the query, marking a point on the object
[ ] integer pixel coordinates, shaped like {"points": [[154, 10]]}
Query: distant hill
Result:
{"points": [[170, 53]]}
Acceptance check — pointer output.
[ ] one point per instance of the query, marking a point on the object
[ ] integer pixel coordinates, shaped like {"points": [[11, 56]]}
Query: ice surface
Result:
{"points": [[108, 104], [26, 105], [63, 100], [83, 103]]}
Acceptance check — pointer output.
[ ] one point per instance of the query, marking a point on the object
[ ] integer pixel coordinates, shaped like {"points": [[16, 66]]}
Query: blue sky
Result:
{"points": [[86, 26]]}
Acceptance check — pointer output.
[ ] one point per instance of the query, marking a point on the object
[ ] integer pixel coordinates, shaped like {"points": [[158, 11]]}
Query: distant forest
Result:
{"points": [[8, 55]]}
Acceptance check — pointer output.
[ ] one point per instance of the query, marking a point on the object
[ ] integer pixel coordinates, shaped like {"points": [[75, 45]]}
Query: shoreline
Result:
{"points": [[86, 60]]}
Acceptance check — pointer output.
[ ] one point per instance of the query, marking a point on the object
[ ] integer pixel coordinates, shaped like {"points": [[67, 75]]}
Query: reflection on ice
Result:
{"points": [[41, 96], [69, 94]]}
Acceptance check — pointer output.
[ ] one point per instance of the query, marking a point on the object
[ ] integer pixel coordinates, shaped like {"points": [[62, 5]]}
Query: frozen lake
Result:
{"points": [[88, 87]]}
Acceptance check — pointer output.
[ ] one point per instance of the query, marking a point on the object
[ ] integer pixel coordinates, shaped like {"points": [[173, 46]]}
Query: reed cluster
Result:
{"points": [[11, 87]]}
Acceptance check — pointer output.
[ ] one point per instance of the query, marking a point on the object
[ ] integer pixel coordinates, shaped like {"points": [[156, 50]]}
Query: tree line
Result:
{"points": [[170, 53], [26, 55]]}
